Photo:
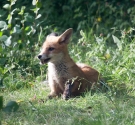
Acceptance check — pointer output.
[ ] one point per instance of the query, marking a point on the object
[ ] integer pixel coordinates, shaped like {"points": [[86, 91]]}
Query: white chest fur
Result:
{"points": [[58, 71]]}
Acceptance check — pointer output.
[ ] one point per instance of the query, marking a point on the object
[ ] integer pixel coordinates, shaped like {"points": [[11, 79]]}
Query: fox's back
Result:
{"points": [[90, 73]]}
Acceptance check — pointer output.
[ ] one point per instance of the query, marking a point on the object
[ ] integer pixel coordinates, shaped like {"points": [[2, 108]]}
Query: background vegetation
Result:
{"points": [[103, 38]]}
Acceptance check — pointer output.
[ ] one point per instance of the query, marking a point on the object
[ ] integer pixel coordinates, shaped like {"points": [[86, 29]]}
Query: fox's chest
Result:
{"points": [[58, 72]]}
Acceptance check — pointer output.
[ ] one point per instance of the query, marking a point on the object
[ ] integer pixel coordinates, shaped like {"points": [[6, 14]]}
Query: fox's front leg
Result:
{"points": [[55, 90], [74, 88], [67, 91]]}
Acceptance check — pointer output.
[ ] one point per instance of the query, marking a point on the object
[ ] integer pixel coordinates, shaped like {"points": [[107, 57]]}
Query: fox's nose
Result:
{"points": [[39, 56]]}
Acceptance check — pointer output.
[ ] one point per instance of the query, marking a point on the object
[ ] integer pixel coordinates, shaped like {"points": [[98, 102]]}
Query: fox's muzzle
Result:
{"points": [[42, 59]]}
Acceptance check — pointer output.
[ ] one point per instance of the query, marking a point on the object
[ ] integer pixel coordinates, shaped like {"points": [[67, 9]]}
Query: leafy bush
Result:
{"points": [[20, 36]]}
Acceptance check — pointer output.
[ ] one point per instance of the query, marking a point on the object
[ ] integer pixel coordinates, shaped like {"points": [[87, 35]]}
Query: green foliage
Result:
{"points": [[20, 37]]}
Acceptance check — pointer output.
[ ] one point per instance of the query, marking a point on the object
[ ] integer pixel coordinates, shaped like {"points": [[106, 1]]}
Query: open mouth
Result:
{"points": [[45, 60]]}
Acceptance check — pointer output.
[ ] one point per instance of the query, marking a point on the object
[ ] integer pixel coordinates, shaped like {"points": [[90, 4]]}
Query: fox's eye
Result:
{"points": [[50, 48]]}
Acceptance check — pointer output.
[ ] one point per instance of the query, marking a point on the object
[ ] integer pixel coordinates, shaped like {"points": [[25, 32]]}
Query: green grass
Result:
{"points": [[110, 108], [114, 107]]}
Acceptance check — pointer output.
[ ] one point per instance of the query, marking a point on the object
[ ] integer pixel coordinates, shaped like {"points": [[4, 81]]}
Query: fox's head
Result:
{"points": [[55, 47]]}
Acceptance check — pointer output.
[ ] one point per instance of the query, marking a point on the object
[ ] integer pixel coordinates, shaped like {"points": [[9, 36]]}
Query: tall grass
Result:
{"points": [[112, 56]]}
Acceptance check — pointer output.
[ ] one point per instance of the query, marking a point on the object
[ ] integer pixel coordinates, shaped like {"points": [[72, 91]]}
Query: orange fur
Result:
{"points": [[64, 75]]}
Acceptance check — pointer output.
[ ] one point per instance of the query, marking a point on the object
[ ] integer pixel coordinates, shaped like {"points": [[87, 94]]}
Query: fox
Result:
{"points": [[65, 77]]}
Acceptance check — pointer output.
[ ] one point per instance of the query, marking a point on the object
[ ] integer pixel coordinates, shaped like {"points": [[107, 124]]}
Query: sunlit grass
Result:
{"points": [[109, 108]]}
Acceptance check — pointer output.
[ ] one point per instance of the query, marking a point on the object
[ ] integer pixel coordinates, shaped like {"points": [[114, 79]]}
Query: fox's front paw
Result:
{"points": [[49, 97], [65, 97], [52, 95]]}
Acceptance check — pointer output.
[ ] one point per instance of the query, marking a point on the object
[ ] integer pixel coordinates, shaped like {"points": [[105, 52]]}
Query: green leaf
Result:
{"points": [[3, 24], [39, 4], [16, 9], [13, 2], [1, 102], [28, 17], [35, 10], [2, 62], [2, 12], [1, 33], [6, 6], [27, 28], [38, 16], [1, 68], [3, 38], [17, 29], [33, 30], [19, 41], [11, 106], [22, 10], [118, 42], [9, 18], [8, 41], [34, 2], [6, 69]]}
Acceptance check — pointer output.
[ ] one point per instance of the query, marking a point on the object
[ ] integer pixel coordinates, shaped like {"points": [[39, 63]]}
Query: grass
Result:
{"points": [[109, 108], [114, 107]]}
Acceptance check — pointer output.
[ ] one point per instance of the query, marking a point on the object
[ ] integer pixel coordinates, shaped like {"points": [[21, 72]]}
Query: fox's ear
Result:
{"points": [[64, 38]]}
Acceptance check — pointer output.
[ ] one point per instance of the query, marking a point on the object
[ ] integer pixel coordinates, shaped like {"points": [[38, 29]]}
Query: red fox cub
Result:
{"points": [[64, 75]]}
